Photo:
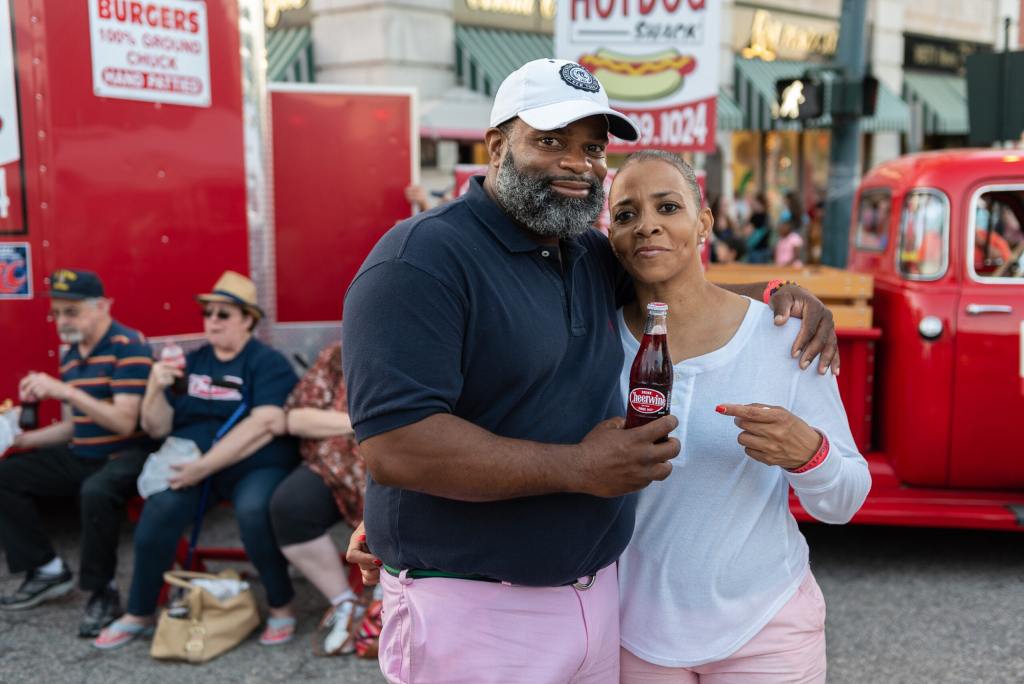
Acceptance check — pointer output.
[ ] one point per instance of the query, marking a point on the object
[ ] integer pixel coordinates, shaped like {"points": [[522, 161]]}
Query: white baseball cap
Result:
{"points": [[552, 93]]}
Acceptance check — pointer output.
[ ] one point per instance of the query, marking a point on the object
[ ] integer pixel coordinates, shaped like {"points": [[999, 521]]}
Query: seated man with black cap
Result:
{"points": [[97, 450]]}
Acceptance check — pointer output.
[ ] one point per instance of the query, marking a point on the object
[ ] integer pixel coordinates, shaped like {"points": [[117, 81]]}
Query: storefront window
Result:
{"points": [[473, 153], [816, 163], [746, 164], [428, 153], [778, 163], [782, 166], [998, 241], [924, 236]]}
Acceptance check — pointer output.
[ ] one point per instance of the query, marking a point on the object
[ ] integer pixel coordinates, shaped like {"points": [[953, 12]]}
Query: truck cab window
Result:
{"points": [[873, 220], [924, 238], [998, 241]]}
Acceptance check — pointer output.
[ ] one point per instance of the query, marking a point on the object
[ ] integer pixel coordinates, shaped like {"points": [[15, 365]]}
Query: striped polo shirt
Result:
{"points": [[119, 364]]}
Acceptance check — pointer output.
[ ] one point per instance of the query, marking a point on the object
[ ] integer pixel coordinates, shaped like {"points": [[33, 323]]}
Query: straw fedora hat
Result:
{"points": [[234, 288]]}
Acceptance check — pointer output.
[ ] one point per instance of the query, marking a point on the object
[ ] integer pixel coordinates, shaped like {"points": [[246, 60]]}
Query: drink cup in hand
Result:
{"points": [[173, 355]]}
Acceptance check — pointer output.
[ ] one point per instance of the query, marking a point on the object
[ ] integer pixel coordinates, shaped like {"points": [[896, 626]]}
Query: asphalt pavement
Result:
{"points": [[921, 605], [904, 606]]}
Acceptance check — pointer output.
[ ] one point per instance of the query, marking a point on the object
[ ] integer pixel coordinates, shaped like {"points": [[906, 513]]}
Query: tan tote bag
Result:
{"points": [[211, 626]]}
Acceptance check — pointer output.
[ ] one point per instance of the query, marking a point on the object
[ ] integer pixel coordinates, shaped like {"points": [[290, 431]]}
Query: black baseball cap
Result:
{"points": [[69, 283]]}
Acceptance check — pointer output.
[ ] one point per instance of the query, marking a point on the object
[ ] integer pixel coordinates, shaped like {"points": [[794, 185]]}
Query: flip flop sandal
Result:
{"points": [[278, 631], [119, 633]]}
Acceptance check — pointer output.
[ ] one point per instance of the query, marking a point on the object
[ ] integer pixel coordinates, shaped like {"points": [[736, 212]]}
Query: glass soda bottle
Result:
{"points": [[650, 377], [28, 418], [174, 355]]}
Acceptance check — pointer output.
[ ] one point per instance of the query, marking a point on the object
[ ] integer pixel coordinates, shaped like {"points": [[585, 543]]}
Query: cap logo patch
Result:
{"points": [[579, 78], [61, 278]]}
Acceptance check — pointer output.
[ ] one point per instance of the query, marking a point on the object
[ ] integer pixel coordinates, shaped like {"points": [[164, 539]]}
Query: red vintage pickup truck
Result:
{"points": [[941, 377]]}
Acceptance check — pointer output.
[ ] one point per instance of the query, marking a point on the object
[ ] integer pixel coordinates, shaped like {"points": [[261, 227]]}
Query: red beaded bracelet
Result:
{"points": [[772, 287], [816, 459]]}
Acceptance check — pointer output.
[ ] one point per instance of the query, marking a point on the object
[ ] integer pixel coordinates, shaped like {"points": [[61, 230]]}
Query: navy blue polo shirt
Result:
{"points": [[259, 374], [461, 311], [118, 364]]}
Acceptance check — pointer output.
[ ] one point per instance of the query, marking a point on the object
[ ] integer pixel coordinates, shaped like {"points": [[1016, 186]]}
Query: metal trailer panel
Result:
{"points": [[151, 196], [342, 158]]}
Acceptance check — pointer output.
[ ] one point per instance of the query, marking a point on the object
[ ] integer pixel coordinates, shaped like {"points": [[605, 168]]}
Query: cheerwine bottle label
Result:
{"points": [[650, 377], [647, 400]]}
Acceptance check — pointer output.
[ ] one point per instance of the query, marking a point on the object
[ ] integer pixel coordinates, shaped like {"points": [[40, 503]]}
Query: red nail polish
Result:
{"points": [[362, 537], [720, 408], [378, 562]]}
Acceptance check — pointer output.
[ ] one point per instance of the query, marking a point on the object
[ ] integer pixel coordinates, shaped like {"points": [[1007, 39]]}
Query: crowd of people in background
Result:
{"points": [[230, 421], [752, 229]]}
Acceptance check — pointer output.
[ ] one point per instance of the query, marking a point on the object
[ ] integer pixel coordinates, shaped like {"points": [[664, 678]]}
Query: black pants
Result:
{"points": [[302, 508], [105, 486]]}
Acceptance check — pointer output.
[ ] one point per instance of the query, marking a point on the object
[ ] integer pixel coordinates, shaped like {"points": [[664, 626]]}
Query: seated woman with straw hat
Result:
{"points": [[232, 412]]}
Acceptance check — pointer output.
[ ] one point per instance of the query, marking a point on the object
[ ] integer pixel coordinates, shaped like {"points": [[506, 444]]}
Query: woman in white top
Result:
{"points": [[715, 585]]}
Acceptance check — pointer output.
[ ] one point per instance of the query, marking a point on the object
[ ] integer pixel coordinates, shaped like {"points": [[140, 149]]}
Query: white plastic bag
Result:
{"points": [[9, 428], [156, 473], [222, 588]]}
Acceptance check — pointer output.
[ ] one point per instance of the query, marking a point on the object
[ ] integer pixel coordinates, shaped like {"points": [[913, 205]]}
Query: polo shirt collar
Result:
{"points": [[514, 238], [103, 341]]}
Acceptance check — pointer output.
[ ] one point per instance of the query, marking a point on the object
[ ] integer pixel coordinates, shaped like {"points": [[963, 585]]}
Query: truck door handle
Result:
{"points": [[978, 309]]}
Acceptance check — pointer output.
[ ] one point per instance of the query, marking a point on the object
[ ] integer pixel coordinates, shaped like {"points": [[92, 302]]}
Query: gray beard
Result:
{"points": [[71, 336], [531, 202]]}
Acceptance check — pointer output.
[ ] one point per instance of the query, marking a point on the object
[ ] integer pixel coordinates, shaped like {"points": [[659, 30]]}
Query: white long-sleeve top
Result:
{"points": [[716, 552]]}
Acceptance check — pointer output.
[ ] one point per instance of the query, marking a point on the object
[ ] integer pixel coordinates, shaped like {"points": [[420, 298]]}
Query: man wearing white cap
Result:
{"points": [[482, 362]]}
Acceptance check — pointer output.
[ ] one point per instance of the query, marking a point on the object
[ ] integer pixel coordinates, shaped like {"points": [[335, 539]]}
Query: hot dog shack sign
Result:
{"points": [[657, 60]]}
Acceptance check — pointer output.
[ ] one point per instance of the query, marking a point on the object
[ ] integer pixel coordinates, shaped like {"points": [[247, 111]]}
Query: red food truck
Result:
{"points": [[941, 233], [140, 141]]}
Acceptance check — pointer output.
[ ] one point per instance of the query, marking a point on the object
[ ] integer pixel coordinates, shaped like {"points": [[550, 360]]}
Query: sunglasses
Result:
{"points": [[221, 314]]}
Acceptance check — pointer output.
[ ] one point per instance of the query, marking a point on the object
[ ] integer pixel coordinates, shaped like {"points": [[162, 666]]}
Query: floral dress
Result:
{"points": [[335, 459]]}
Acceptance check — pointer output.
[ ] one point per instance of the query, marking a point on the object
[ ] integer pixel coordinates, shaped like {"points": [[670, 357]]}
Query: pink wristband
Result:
{"points": [[770, 289], [816, 459]]}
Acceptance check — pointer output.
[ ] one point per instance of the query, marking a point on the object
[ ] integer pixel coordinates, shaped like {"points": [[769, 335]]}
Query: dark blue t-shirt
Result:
{"points": [[263, 378], [460, 311]]}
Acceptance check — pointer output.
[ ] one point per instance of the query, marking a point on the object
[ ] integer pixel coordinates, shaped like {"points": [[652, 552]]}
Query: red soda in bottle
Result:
{"points": [[650, 377], [174, 355]]}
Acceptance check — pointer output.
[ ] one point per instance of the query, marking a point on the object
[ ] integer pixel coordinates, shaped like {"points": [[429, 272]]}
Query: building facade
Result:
{"points": [[456, 52]]}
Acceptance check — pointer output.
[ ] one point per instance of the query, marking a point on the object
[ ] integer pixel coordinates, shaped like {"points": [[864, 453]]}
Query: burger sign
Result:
{"points": [[657, 60]]}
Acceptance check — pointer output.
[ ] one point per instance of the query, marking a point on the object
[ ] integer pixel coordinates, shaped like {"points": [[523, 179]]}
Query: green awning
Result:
{"points": [[730, 117], [891, 113], [290, 55], [943, 101], [755, 94], [484, 57]]}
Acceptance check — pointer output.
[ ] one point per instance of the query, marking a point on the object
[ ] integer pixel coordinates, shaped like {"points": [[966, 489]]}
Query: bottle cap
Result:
{"points": [[657, 308]]}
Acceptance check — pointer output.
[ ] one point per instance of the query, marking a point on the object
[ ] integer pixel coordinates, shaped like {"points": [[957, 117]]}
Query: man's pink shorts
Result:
{"points": [[453, 631]]}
